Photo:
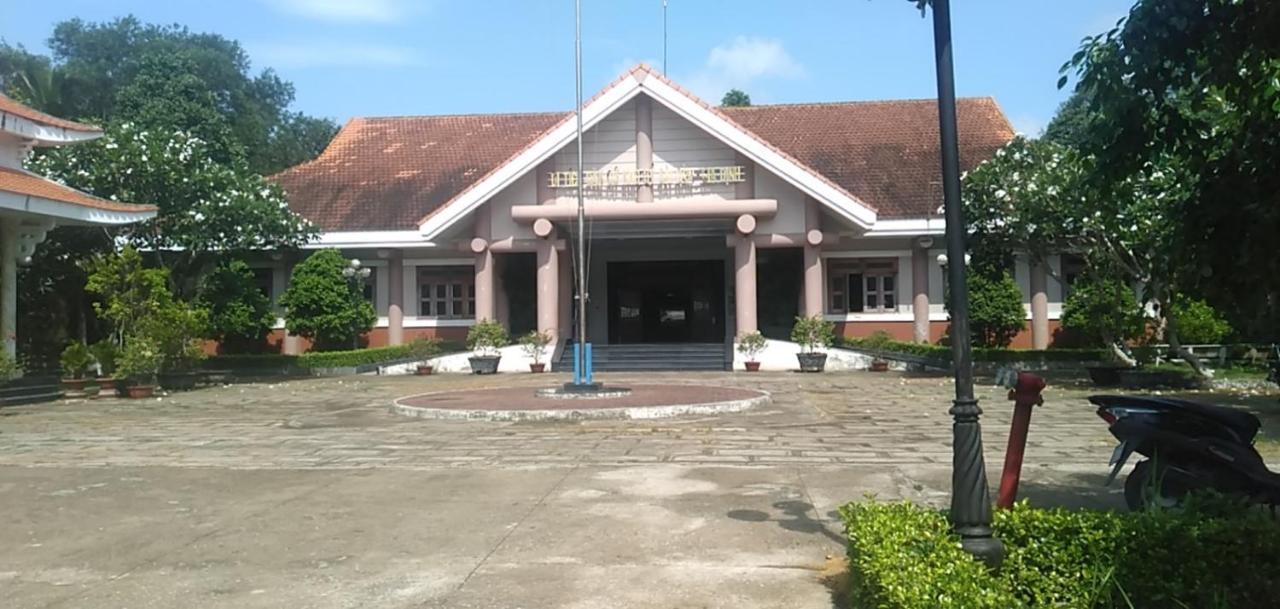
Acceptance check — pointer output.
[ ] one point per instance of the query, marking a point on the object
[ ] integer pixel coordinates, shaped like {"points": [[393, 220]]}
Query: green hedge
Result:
{"points": [[1211, 554], [275, 362], [981, 354]]}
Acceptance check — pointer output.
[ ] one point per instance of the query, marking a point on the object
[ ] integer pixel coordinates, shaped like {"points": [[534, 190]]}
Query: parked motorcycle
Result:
{"points": [[1188, 446]]}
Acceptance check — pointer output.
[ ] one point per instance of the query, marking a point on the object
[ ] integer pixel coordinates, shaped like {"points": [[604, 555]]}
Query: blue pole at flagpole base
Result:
{"points": [[588, 360], [577, 363]]}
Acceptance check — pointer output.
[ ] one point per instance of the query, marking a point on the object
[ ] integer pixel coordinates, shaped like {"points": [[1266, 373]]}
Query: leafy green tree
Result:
{"points": [[1199, 323], [1193, 84], [1105, 313], [207, 208], [240, 314], [325, 306], [1071, 125], [167, 77], [127, 290], [735, 98]]}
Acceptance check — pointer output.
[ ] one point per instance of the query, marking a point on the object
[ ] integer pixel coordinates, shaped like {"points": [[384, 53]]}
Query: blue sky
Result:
{"points": [[396, 57]]}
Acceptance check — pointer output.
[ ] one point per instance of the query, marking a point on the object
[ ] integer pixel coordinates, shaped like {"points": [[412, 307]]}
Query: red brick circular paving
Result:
{"points": [[644, 401]]}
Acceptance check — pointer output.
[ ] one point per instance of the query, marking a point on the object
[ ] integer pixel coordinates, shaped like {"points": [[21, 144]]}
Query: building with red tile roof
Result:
{"points": [[705, 222]]}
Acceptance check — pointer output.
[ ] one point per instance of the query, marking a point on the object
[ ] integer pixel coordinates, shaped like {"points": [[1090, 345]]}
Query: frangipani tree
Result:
{"points": [[205, 206], [1042, 198]]}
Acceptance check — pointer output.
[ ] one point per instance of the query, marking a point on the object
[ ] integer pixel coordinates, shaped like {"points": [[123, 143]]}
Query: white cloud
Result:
{"points": [[373, 11], [312, 55], [741, 63]]}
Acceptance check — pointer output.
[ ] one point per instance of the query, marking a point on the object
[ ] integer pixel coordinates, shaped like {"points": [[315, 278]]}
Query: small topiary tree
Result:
{"points": [[323, 305], [240, 315], [534, 344], [486, 337], [751, 345], [1104, 313], [813, 333], [996, 314]]}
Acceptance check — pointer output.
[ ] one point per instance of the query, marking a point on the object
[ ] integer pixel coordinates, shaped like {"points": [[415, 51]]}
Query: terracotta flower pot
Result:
{"points": [[752, 366], [141, 391], [537, 368], [425, 369], [75, 386], [879, 366]]}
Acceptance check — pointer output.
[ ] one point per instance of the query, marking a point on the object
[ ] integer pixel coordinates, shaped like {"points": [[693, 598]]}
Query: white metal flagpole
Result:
{"points": [[582, 217]]}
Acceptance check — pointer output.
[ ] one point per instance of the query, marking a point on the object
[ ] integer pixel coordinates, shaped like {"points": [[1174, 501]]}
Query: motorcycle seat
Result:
{"points": [[1243, 423]]}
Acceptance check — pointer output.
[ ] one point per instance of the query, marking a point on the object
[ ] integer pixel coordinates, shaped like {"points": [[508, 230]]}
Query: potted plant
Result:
{"points": [[105, 353], [76, 361], [421, 349], [812, 333], [139, 363], [485, 338], [751, 345], [534, 345], [878, 343], [176, 329]]}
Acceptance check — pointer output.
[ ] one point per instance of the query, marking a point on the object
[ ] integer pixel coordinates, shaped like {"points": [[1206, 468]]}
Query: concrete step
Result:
{"points": [[655, 357]]}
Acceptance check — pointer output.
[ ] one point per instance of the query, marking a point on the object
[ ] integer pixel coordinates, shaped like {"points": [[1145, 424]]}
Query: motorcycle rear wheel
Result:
{"points": [[1150, 486]]}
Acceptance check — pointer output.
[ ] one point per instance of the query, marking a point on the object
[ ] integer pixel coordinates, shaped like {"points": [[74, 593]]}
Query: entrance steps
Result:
{"points": [[653, 357], [31, 390]]}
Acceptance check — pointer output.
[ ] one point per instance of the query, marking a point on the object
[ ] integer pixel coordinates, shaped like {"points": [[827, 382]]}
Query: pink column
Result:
{"points": [[485, 267], [644, 144], [501, 305], [548, 288], [744, 258], [813, 275], [1039, 306], [920, 294], [292, 343], [395, 299]]}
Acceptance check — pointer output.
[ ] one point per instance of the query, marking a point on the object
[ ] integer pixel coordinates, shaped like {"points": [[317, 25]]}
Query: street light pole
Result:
{"points": [[970, 497]]}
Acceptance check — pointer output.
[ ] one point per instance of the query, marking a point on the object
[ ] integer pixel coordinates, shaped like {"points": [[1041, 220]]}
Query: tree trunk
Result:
{"points": [[1120, 354], [1171, 335]]}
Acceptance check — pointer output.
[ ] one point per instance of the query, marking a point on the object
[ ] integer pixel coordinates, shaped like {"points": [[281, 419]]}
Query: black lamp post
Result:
{"points": [[970, 497]]}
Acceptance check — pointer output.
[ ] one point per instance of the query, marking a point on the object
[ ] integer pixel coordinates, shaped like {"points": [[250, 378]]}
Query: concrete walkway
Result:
{"points": [[312, 494]]}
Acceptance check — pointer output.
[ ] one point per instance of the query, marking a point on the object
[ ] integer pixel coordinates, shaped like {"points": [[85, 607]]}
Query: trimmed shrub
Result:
{"points": [[1199, 323], [275, 362], [76, 360], [1103, 313], [982, 354], [1213, 552], [325, 306], [996, 314], [240, 315]]}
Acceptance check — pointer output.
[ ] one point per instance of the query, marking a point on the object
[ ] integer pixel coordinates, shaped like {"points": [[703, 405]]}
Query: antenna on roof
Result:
{"points": [[664, 37]]}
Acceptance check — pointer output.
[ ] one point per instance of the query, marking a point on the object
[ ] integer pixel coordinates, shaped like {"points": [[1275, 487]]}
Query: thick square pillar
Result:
{"points": [[814, 279], [920, 294], [744, 264], [1039, 306], [548, 289], [9, 286], [395, 299], [485, 279]]}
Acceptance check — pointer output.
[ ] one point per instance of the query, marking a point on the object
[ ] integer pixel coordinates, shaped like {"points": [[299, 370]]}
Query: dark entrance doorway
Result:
{"points": [[666, 302]]}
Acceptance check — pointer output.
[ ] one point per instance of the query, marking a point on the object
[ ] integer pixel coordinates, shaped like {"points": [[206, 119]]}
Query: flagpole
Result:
{"points": [[582, 217]]}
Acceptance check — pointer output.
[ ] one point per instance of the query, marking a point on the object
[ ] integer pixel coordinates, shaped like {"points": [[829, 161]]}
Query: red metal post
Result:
{"points": [[1025, 395]]}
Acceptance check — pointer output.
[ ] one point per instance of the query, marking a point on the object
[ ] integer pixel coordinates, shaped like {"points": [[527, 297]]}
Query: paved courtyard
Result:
{"points": [[311, 493]]}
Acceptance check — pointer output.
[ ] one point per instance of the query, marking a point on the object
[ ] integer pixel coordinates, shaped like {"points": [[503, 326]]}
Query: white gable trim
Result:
{"points": [[607, 102]]}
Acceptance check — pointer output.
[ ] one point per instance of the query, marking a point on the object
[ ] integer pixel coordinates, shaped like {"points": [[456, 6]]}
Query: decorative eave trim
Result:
{"points": [[370, 239], [44, 135], [70, 212], [908, 227], [635, 82]]}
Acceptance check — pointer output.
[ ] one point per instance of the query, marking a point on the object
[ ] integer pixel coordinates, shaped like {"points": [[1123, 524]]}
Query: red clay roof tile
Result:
{"points": [[29, 184], [388, 173], [12, 106]]}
